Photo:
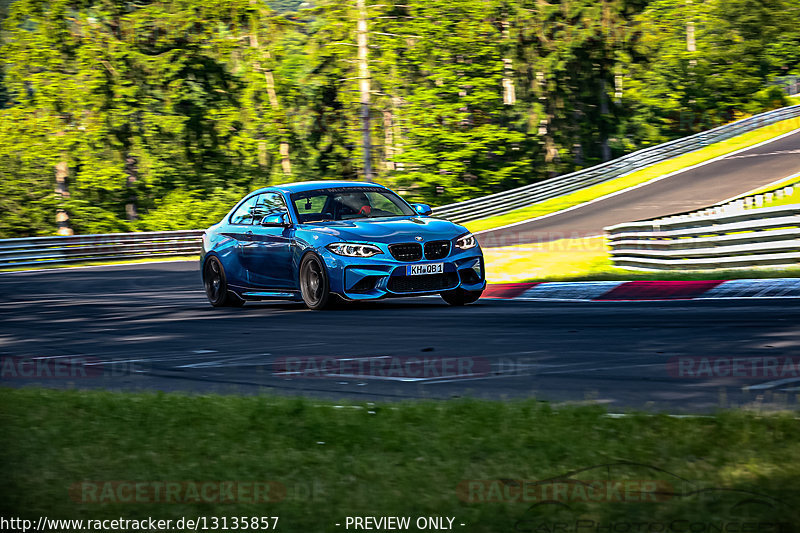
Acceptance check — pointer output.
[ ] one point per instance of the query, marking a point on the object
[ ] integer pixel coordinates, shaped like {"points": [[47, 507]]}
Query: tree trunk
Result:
{"points": [[286, 163], [132, 176], [269, 79], [388, 138], [62, 191], [364, 88], [397, 132], [605, 148], [509, 92]]}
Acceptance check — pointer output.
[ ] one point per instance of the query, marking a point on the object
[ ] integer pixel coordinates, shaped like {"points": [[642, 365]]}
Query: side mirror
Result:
{"points": [[422, 209], [277, 220]]}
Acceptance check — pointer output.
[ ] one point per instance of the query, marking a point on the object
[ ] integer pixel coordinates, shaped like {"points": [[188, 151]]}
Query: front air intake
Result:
{"points": [[430, 282], [410, 251], [437, 249]]}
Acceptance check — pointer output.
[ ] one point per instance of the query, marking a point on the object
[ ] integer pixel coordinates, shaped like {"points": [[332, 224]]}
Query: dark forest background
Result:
{"points": [[155, 115]]}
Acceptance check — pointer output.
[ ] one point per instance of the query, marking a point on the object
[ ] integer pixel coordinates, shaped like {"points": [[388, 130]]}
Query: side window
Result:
{"points": [[381, 202], [244, 213], [257, 207], [312, 205], [268, 203]]}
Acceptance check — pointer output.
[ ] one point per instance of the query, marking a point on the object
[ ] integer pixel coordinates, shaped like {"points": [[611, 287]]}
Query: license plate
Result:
{"points": [[430, 268]]}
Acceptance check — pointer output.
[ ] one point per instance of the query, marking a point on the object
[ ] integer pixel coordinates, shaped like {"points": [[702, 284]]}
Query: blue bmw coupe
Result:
{"points": [[325, 241]]}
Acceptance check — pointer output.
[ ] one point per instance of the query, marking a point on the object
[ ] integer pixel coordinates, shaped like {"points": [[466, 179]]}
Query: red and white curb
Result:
{"points": [[646, 290]]}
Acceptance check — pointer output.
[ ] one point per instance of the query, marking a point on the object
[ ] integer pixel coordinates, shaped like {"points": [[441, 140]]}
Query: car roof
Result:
{"points": [[303, 186]]}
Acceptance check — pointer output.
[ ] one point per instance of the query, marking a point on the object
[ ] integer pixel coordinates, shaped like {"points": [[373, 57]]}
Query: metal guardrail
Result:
{"points": [[43, 251], [503, 202], [726, 236]]}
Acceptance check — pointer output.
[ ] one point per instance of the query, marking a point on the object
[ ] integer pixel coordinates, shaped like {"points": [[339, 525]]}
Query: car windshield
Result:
{"points": [[344, 203]]}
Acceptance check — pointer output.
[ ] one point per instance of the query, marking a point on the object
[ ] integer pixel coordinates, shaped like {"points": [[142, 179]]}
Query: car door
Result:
{"points": [[240, 230], [268, 251]]}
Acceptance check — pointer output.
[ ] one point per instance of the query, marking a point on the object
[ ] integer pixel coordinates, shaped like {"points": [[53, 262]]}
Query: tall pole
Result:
{"points": [[691, 47], [62, 193], [364, 88], [269, 79]]}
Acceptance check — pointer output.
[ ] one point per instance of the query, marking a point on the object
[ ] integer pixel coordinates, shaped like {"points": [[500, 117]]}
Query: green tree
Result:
{"points": [[706, 63]]}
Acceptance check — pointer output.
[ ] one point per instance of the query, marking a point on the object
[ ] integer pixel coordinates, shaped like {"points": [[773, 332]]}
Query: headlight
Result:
{"points": [[351, 249], [465, 242]]}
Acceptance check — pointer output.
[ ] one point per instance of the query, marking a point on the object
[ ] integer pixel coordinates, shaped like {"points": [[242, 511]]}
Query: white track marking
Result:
{"points": [[772, 384], [227, 361], [113, 362], [768, 154], [57, 357]]}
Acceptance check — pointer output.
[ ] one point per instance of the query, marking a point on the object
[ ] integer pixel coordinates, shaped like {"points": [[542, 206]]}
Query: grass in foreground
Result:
{"points": [[636, 178], [404, 459], [588, 260]]}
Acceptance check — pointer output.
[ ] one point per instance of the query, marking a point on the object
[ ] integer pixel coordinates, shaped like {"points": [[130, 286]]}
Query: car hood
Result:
{"points": [[388, 230]]}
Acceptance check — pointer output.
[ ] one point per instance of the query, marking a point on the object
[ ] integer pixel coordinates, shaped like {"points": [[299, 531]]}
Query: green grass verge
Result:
{"points": [[786, 200], [402, 459], [154, 259], [588, 260], [794, 198], [774, 186], [636, 178]]}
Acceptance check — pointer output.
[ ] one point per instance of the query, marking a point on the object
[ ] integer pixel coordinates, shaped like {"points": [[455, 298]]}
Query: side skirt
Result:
{"points": [[248, 293]]}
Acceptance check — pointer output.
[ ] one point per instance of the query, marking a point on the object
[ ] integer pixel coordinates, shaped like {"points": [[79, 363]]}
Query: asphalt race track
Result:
{"points": [[149, 327], [700, 187]]}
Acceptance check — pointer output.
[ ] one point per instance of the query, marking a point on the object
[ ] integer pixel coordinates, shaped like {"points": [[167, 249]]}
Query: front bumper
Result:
{"points": [[382, 276]]}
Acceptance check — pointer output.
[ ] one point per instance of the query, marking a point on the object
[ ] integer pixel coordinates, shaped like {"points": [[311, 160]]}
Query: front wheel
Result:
{"points": [[460, 296], [217, 286], [314, 284]]}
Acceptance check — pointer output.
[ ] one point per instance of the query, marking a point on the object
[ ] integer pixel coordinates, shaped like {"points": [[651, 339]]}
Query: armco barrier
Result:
{"points": [[42, 251], [726, 236], [115, 246], [503, 202]]}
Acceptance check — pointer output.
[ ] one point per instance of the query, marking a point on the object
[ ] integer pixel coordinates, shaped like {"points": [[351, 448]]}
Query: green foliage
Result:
{"points": [[161, 110], [5, 6], [394, 459], [740, 46], [288, 6], [182, 209]]}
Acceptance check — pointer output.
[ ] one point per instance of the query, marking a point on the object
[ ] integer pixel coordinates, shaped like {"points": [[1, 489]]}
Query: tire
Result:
{"points": [[314, 284], [217, 286], [460, 296]]}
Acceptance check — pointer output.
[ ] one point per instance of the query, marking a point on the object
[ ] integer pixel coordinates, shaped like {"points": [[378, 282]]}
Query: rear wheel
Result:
{"points": [[314, 284], [460, 296], [217, 287]]}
